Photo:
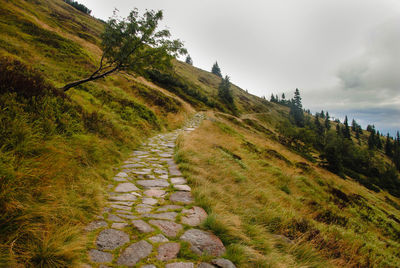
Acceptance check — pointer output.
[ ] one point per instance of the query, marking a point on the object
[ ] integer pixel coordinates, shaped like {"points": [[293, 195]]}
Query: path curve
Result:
{"points": [[150, 215]]}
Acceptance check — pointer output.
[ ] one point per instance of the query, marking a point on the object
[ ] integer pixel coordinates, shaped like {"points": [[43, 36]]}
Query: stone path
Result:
{"points": [[150, 214]]}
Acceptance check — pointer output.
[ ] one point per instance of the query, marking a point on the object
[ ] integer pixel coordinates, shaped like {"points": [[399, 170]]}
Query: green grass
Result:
{"points": [[285, 214]]}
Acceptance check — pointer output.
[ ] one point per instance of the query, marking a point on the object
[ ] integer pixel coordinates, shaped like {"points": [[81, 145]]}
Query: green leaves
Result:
{"points": [[134, 44]]}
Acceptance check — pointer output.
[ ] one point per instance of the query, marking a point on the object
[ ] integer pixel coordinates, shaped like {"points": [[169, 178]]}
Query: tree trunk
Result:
{"points": [[90, 78]]}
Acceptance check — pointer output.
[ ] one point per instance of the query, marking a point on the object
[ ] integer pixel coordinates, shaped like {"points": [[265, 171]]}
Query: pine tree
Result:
{"points": [[396, 152], [327, 122], [189, 60], [318, 126], [354, 125], [296, 109], [388, 146], [322, 114], [378, 141], [216, 70], [346, 129], [358, 132], [224, 91], [371, 140], [272, 98]]}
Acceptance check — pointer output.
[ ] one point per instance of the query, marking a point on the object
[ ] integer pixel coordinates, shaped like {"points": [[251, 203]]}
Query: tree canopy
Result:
{"points": [[224, 91], [296, 109], [216, 70], [134, 44], [189, 60]]}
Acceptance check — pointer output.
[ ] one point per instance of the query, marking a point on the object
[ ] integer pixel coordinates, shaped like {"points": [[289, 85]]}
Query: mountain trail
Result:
{"points": [[151, 216]]}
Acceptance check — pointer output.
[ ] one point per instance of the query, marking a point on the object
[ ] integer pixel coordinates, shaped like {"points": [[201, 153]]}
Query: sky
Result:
{"points": [[343, 55]]}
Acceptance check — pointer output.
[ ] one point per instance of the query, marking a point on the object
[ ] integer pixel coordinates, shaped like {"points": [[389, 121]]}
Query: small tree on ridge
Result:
{"points": [[134, 44]]}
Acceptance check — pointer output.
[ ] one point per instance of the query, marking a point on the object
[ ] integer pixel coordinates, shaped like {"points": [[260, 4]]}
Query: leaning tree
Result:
{"points": [[134, 44]]}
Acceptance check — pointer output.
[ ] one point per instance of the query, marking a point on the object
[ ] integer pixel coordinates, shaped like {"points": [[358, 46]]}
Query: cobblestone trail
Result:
{"points": [[151, 212]]}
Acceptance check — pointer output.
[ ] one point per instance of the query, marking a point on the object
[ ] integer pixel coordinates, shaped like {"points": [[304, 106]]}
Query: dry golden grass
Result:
{"points": [[258, 201]]}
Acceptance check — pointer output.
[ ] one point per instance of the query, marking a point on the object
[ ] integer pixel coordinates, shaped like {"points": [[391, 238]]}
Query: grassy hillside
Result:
{"points": [[57, 150], [270, 200], [276, 209]]}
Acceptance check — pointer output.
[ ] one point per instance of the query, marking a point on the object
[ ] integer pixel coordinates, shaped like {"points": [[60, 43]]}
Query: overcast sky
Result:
{"points": [[343, 55]]}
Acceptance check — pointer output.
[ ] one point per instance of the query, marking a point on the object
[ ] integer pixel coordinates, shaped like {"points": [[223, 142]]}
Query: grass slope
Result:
{"points": [[274, 208], [57, 151]]}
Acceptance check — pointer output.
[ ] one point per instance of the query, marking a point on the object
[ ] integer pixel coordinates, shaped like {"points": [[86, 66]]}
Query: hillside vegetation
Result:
{"points": [[265, 185]]}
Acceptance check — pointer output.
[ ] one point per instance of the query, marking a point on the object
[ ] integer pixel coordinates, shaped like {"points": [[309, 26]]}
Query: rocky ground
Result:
{"points": [[151, 219]]}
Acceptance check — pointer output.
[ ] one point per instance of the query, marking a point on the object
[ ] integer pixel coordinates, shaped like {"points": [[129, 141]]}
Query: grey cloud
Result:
{"points": [[377, 69]]}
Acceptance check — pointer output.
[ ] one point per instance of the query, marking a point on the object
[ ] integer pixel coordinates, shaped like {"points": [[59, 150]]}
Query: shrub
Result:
{"points": [[78, 6], [17, 77]]}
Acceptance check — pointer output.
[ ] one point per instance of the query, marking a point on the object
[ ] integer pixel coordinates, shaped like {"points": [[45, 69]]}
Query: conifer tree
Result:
{"points": [[327, 122], [358, 132], [189, 60], [388, 146], [216, 70], [378, 141], [296, 109], [346, 129], [224, 91], [272, 98], [396, 152], [353, 125], [371, 140], [322, 114], [318, 126]]}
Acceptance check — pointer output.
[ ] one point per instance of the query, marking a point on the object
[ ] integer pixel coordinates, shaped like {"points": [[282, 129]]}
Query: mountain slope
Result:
{"points": [[272, 204]]}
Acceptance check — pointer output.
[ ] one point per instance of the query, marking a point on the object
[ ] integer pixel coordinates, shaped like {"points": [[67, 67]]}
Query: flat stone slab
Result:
{"points": [[127, 216], [223, 263], [135, 165], [153, 183], [178, 180], [168, 251], [169, 228], [149, 201], [205, 265], [154, 193], [122, 175], [126, 187], [143, 208], [148, 266], [180, 265], [112, 217], [169, 207], [181, 197], [100, 256], [160, 171], [162, 216], [183, 187], [165, 155], [134, 253], [203, 242], [119, 179], [158, 238], [111, 239], [94, 225], [194, 216], [174, 171], [127, 208], [123, 212], [164, 177], [119, 225], [142, 226], [123, 197]]}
